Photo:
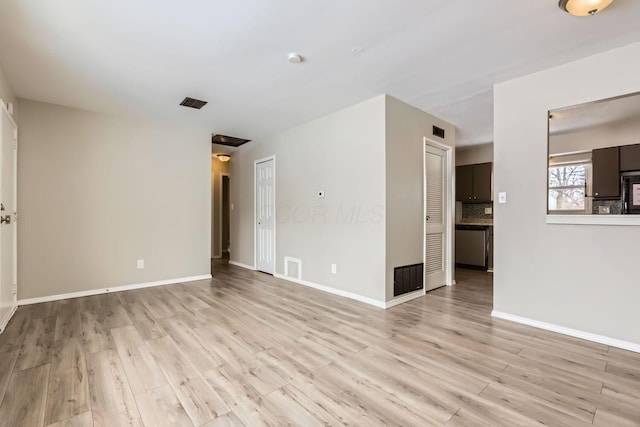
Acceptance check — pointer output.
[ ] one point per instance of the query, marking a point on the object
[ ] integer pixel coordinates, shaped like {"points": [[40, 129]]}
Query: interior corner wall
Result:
{"points": [[341, 154], [475, 154], [98, 192], [406, 128], [218, 169], [582, 277]]}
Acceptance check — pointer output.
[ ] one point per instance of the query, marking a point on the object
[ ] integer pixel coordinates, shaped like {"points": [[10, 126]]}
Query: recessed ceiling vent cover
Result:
{"points": [[439, 132], [193, 103], [231, 141]]}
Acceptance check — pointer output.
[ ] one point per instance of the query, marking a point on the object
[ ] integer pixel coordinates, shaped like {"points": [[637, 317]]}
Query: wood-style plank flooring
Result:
{"points": [[245, 349]]}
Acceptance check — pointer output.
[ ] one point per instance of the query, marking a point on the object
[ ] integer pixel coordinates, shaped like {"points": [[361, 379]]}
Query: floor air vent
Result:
{"points": [[408, 279], [193, 103]]}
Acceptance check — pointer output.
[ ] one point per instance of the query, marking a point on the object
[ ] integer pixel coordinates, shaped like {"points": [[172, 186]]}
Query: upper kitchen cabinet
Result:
{"points": [[630, 158], [606, 172], [473, 183]]}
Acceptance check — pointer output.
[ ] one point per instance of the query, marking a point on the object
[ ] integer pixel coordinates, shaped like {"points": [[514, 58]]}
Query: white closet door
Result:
{"points": [[435, 219], [265, 216], [8, 192]]}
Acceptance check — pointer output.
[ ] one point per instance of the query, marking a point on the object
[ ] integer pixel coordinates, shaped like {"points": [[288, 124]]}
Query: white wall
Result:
{"points": [[218, 169], [474, 154], [574, 276], [97, 192], [6, 93], [405, 131], [610, 135], [344, 155]]}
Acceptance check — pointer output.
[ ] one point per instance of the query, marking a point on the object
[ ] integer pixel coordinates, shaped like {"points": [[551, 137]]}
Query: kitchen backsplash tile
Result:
{"points": [[476, 211], [615, 207]]}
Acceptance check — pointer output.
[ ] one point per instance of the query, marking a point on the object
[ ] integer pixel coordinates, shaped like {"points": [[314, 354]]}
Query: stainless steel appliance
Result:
{"points": [[630, 192], [471, 246]]}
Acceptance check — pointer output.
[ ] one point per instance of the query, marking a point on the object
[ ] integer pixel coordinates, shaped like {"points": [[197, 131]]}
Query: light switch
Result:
{"points": [[502, 197]]}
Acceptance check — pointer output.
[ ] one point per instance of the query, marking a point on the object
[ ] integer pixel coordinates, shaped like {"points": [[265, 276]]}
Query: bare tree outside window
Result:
{"points": [[567, 184]]}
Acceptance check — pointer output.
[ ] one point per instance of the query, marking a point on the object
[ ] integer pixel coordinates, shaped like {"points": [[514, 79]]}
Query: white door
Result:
{"points": [[435, 225], [265, 215], [8, 260]]}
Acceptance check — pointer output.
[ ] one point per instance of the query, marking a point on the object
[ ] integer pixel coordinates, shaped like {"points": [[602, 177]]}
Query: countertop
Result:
{"points": [[485, 222]]}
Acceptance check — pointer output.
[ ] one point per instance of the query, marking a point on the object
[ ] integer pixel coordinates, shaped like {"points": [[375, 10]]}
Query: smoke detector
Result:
{"points": [[295, 58]]}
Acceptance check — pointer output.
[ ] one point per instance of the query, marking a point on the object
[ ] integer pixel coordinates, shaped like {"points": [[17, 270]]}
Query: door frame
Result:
{"points": [[221, 196], [14, 215], [449, 213], [255, 213]]}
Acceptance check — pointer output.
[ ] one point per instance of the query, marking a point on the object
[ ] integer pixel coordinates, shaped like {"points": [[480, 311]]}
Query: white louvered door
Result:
{"points": [[434, 267]]}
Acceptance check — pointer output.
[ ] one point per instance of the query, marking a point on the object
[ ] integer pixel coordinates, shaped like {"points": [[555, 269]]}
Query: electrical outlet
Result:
{"points": [[334, 269], [140, 264], [15, 289]]}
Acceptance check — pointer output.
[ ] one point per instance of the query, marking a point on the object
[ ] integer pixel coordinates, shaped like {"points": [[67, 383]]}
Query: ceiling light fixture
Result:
{"points": [[583, 7], [223, 157]]}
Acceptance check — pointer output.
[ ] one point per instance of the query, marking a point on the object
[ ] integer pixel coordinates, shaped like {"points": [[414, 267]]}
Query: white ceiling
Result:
{"points": [[142, 57]]}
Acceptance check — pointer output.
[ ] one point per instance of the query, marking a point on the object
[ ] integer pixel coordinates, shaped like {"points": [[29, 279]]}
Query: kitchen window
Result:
{"points": [[569, 186]]}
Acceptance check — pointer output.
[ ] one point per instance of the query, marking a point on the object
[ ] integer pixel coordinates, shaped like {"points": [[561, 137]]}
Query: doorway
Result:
{"points": [[225, 225], [438, 242], [265, 199], [8, 215]]}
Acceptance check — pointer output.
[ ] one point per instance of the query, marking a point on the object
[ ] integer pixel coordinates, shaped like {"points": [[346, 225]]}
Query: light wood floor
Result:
{"points": [[245, 349]]}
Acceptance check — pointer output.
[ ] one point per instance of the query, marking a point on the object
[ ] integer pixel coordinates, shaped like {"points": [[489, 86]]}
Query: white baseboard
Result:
{"points": [[404, 298], [217, 257], [239, 264], [91, 292], [334, 291], [5, 321], [601, 339]]}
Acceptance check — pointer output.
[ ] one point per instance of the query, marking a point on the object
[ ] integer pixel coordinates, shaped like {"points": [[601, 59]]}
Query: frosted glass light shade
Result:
{"points": [[583, 7]]}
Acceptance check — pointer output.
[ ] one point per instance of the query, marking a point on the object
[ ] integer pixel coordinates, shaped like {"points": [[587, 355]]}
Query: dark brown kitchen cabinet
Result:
{"points": [[464, 183], [473, 183], [606, 172], [630, 158]]}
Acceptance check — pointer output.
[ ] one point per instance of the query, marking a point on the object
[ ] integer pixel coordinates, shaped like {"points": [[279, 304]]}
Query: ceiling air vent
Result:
{"points": [[193, 103], [438, 132], [231, 141]]}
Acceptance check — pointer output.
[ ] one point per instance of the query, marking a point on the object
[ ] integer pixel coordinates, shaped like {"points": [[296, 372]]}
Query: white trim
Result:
{"points": [[404, 298], [613, 342], [241, 265], [594, 219], [5, 322], [287, 260], [334, 291], [6, 110], [217, 257], [101, 291], [255, 218]]}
